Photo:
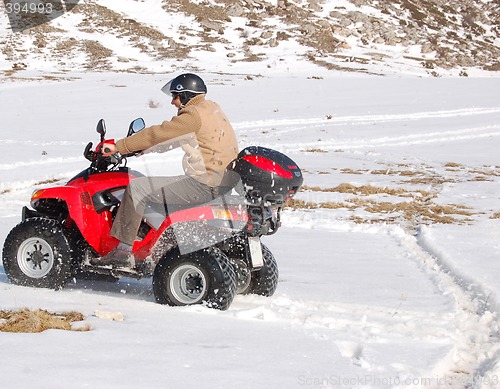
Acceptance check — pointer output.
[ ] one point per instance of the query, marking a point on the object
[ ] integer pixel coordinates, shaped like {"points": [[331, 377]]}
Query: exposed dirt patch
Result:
{"points": [[452, 35]]}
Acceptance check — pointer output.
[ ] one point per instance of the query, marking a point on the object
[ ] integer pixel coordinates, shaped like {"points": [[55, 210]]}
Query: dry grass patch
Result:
{"points": [[394, 172], [485, 172], [429, 180], [301, 204], [480, 178], [47, 181], [385, 172], [39, 320], [351, 171], [414, 209], [404, 210], [418, 207], [353, 189], [316, 150], [366, 190]]}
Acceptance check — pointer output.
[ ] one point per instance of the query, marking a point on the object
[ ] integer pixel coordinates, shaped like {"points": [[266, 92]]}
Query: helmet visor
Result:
{"points": [[166, 88]]}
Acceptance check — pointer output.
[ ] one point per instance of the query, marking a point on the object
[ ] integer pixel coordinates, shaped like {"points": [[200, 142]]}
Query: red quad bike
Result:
{"points": [[203, 254]]}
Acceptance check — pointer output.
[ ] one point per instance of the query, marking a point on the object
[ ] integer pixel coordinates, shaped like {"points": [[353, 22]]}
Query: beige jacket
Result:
{"points": [[205, 134]]}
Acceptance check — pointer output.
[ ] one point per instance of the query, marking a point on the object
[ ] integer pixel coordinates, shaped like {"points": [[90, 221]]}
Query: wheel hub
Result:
{"points": [[35, 257], [188, 284], [243, 275], [194, 284]]}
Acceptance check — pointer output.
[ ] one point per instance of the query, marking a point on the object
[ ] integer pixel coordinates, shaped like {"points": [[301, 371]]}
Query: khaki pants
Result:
{"points": [[174, 192]]}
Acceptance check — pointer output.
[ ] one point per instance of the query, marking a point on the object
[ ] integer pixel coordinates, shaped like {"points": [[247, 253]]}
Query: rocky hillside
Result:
{"points": [[426, 37]]}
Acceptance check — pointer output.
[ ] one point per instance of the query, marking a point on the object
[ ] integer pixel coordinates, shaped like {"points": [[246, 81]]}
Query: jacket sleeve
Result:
{"points": [[188, 121]]}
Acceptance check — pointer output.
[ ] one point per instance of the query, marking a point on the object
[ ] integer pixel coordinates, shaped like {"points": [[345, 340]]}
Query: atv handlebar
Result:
{"points": [[101, 163]]}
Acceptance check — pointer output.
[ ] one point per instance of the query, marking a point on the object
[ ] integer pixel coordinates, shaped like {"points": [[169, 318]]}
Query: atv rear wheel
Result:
{"points": [[37, 253], [265, 280], [205, 276]]}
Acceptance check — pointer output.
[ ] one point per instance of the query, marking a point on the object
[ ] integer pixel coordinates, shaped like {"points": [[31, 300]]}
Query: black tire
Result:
{"points": [[265, 280], [202, 277], [37, 253], [78, 247]]}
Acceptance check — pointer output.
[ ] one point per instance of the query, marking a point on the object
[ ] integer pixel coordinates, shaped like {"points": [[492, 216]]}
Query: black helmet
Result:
{"points": [[186, 85]]}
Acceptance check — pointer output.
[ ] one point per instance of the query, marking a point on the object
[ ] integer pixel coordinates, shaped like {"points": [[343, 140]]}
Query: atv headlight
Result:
{"points": [[37, 193]]}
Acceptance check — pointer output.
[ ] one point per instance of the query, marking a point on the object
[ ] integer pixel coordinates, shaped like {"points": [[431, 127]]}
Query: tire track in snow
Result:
{"points": [[34, 156], [397, 141], [473, 327], [477, 349], [355, 330], [280, 127], [367, 119], [39, 143], [358, 330], [359, 319], [39, 162]]}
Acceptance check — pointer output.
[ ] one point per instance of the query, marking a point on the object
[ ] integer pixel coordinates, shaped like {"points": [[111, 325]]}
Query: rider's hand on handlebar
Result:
{"points": [[108, 149]]}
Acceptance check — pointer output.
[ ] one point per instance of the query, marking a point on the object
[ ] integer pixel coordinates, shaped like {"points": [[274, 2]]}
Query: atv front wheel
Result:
{"points": [[37, 253], [205, 276]]}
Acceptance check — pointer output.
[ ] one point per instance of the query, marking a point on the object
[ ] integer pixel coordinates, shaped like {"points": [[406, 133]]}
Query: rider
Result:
{"points": [[209, 143]]}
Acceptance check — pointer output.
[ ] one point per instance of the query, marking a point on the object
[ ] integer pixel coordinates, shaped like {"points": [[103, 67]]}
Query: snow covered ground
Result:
{"points": [[390, 283]]}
